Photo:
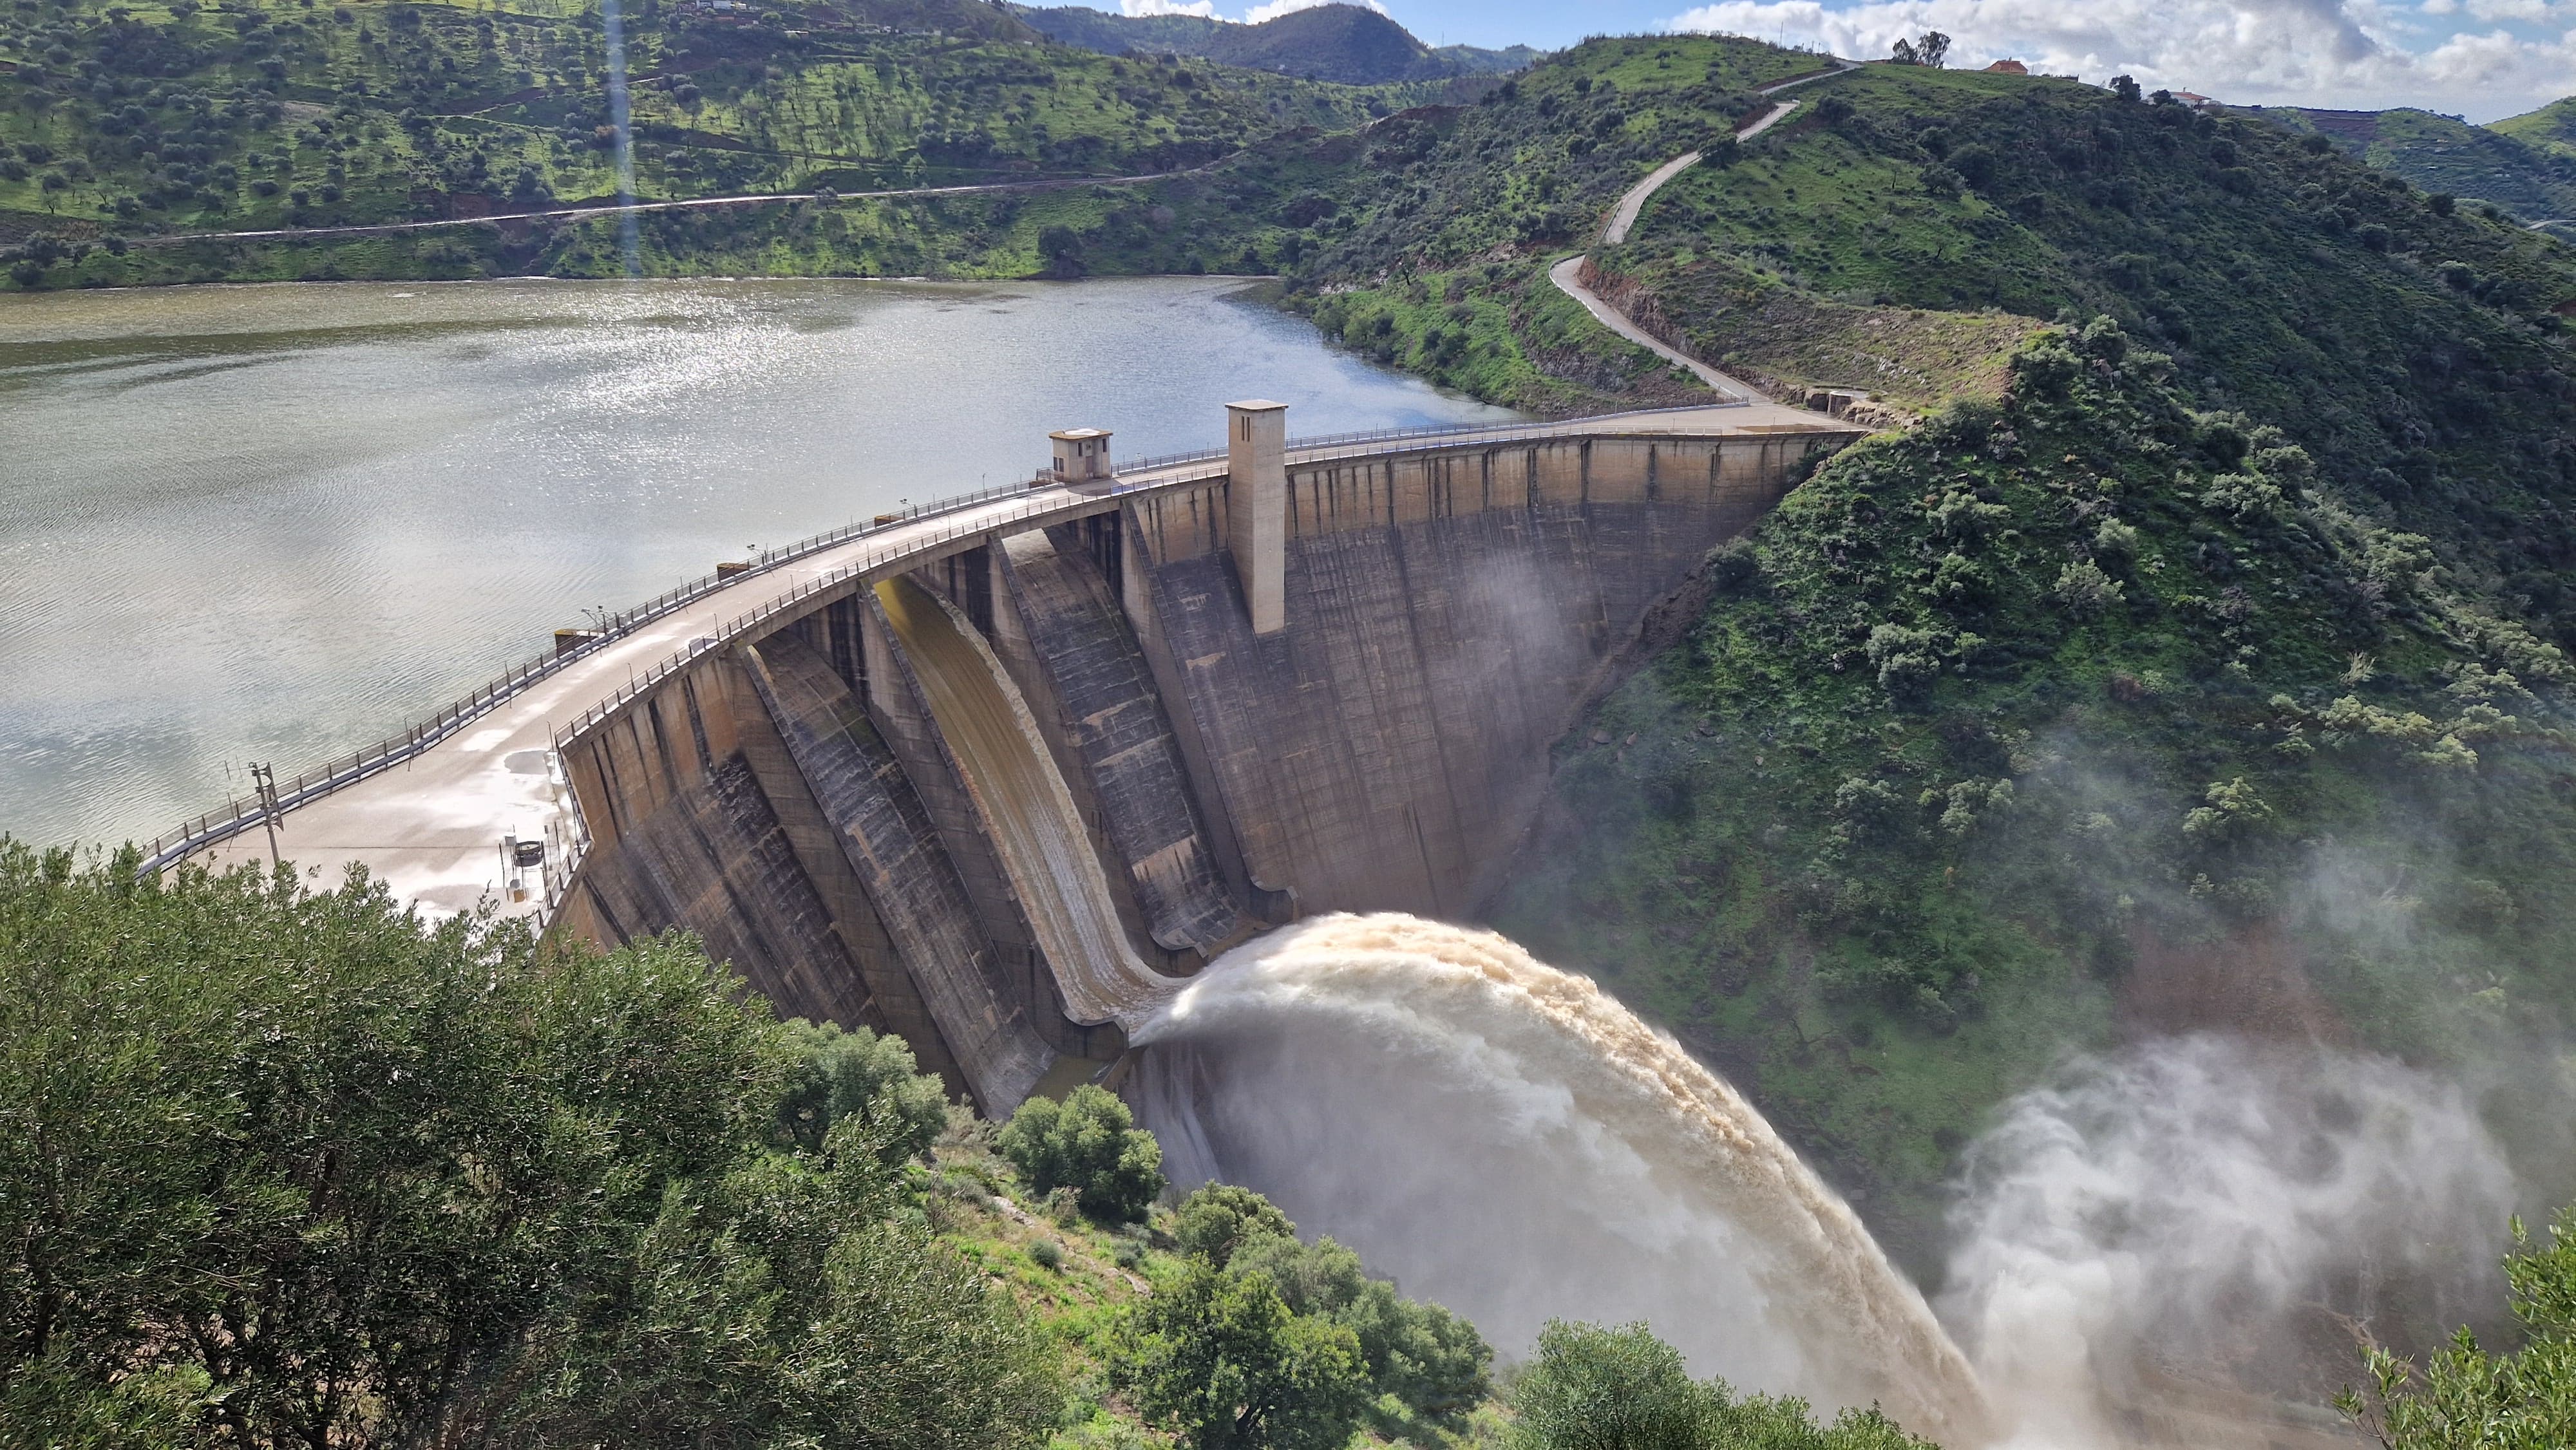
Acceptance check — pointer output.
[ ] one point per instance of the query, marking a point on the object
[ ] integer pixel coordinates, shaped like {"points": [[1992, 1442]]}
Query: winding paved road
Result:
{"points": [[1568, 274]]}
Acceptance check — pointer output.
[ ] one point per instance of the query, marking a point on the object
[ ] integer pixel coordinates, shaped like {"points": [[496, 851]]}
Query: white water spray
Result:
{"points": [[1508, 1140], [2154, 1226]]}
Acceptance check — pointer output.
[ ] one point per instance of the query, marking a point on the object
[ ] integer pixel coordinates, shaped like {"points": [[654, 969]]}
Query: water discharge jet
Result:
{"points": [[1508, 1140], [1022, 798]]}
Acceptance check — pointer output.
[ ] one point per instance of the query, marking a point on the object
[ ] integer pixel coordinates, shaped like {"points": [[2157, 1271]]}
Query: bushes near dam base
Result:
{"points": [[2085, 708], [285, 1166], [1592, 1387]]}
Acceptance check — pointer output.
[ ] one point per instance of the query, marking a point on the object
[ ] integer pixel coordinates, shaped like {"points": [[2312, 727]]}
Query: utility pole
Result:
{"points": [[263, 781]]}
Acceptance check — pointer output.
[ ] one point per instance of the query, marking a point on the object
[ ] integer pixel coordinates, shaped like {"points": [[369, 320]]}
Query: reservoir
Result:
{"points": [[273, 523]]}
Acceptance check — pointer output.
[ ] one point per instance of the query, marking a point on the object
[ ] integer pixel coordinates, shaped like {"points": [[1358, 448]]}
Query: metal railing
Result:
{"points": [[730, 630], [1340, 444], [239, 814]]}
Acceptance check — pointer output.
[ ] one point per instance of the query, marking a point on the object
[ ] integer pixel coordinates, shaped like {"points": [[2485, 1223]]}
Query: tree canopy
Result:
{"points": [[1260, 1340], [2470, 1398], [282, 1166], [1089, 1143], [1593, 1387]]}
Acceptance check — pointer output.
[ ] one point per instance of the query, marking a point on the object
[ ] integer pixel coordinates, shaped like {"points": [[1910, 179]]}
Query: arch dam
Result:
{"points": [[959, 774]]}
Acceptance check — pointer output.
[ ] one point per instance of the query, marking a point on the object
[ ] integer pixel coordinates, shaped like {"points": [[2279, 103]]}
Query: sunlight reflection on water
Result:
{"points": [[247, 523]]}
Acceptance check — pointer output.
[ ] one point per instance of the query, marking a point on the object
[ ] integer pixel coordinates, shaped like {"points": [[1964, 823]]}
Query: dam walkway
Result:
{"points": [[474, 807]]}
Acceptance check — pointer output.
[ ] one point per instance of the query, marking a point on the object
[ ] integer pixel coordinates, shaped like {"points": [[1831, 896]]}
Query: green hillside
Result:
{"points": [[2552, 127], [1336, 42], [1885, 237], [2445, 154], [134, 119]]}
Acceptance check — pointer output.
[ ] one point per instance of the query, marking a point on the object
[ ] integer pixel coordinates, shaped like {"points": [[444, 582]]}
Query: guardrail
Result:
{"points": [[733, 629], [1452, 432], [239, 815]]}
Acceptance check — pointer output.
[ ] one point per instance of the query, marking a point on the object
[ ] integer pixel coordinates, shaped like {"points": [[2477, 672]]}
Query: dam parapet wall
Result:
{"points": [[1329, 683]]}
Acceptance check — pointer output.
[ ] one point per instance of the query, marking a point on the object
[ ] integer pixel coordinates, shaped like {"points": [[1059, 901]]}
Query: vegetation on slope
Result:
{"points": [[2287, 281], [259, 114], [288, 1167], [1333, 42], [2552, 127], [2446, 155], [2079, 710]]}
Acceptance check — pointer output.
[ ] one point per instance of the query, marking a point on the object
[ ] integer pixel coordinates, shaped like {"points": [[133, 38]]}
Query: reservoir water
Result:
{"points": [[277, 522]]}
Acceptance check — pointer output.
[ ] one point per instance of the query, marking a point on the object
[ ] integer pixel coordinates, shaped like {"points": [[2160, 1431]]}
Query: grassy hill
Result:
{"points": [[267, 113], [2491, 164], [2412, 346], [2552, 127], [1348, 43]]}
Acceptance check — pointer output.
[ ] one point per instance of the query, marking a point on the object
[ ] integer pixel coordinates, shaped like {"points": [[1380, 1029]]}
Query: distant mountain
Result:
{"points": [[1347, 43], [2516, 170], [1477, 61], [2551, 128], [981, 19], [1119, 34]]}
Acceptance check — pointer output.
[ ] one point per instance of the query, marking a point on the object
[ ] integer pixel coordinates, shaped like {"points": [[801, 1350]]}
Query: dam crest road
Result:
{"points": [[996, 774]]}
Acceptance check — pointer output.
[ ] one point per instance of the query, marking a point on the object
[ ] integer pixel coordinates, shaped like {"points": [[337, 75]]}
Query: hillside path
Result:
{"points": [[576, 213], [1568, 274], [1568, 277]]}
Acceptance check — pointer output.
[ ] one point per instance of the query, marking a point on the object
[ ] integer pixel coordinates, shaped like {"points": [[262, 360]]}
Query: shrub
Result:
{"points": [[2086, 591], [1220, 1357], [2466, 1395], [1593, 1388], [844, 1075], [1908, 660], [1089, 1143], [1734, 568], [1047, 1253], [1220, 1218], [2115, 543], [1425, 1356]]}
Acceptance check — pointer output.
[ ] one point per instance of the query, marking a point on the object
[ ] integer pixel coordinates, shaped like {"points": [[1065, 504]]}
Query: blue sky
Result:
{"points": [[2479, 58]]}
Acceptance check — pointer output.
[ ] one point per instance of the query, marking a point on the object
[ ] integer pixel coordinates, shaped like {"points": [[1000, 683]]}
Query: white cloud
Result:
{"points": [[1277, 8], [1167, 7], [2356, 53]]}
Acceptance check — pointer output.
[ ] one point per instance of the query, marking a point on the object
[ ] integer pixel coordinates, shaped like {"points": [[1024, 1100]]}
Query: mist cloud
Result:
{"points": [[2209, 1210]]}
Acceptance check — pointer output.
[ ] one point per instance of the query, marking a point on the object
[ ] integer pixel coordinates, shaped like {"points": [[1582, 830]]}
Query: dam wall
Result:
{"points": [[1448, 611], [684, 837], [991, 774], [1090, 666]]}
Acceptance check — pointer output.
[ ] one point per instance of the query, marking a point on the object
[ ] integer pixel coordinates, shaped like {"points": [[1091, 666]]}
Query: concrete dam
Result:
{"points": [[992, 775]]}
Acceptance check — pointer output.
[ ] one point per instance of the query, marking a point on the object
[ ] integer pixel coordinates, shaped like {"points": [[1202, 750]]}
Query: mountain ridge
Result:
{"points": [[1350, 44]]}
